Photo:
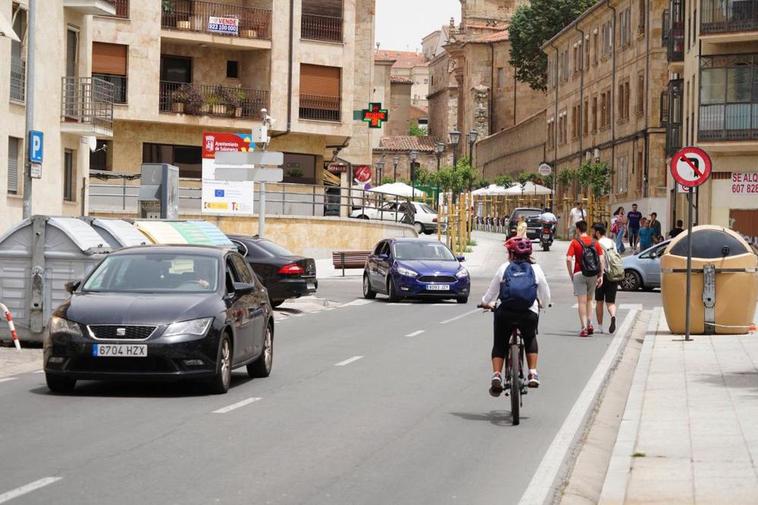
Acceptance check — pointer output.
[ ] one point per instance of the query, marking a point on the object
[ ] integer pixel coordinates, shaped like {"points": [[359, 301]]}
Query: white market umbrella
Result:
{"points": [[529, 189], [491, 190], [397, 189]]}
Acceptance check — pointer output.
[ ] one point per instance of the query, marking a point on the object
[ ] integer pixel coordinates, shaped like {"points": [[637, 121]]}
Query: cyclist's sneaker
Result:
{"points": [[534, 380], [612, 327], [590, 329], [584, 333], [496, 385]]}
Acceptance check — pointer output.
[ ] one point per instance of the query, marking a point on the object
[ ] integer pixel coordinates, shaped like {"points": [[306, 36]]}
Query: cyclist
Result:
{"points": [[522, 289]]}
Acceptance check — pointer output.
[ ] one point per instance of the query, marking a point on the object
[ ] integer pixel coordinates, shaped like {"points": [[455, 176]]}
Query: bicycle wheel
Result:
{"points": [[515, 383]]}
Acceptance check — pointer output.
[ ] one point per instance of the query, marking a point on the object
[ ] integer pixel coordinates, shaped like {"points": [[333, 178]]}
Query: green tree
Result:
{"points": [[532, 25], [595, 176], [416, 131], [504, 180]]}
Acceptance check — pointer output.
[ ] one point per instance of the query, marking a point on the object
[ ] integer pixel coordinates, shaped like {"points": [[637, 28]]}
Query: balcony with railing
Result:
{"points": [[18, 80], [87, 106], [212, 100], [322, 28], [728, 16], [673, 31], [728, 98], [92, 7], [320, 108], [119, 86], [215, 18], [122, 8]]}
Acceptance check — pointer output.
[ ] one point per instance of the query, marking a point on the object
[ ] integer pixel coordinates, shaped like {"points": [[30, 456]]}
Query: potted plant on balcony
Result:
{"points": [[216, 101], [234, 99], [194, 100], [178, 99]]}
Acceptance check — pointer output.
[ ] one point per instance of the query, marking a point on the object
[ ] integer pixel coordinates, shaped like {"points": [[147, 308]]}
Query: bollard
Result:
{"points": [[342, 257], [9, 318]]}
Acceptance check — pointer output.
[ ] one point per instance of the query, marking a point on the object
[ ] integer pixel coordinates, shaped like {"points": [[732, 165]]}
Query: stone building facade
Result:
{"points": [[513, 150], [412, 66], [712, 49], [606, 74], [63, 40], [311, 93]]}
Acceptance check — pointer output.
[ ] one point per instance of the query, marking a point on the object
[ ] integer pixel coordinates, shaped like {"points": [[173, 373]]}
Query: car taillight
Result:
{"points": [[291, 269], [434, 220]]}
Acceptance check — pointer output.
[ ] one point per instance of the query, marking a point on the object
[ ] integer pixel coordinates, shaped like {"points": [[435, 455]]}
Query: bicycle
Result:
{"points": [[514, 371]]}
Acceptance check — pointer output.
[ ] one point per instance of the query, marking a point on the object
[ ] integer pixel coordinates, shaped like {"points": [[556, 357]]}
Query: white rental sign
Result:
{"points": [[744, 184]]}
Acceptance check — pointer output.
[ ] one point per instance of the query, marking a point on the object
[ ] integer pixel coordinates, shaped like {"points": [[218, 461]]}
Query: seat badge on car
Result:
{"points": [[120, 332]]}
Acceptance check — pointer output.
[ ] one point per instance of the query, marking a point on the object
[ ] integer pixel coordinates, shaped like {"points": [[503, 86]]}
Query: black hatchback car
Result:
{"points": [[162, 312], [533, 222], [285, 275]]}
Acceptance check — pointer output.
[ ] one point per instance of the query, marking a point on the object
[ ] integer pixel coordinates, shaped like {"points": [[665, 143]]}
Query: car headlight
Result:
{"points": [[462, 273], [197, 327], [60, 325], [406, 272]]}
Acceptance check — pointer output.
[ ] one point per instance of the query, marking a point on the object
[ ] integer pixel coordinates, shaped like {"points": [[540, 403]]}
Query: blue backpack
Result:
{"points": [[518, 290]]}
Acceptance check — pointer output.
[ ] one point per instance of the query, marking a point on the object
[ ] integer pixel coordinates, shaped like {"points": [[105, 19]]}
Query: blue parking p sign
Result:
{"points": [[36, 146]]}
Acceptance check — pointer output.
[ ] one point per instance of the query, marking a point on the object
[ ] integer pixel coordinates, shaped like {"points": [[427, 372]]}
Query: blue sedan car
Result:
{"points": [[415, 268]]}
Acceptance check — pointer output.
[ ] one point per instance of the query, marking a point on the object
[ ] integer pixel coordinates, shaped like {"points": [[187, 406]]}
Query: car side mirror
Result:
{"points": [[461, 259], [241, 249], [72, 286], [243, 288]]}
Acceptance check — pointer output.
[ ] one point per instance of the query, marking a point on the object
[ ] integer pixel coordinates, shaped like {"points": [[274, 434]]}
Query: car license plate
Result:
{"points": [[119, 351], [545, 236], [438, 287], [311, 285]]}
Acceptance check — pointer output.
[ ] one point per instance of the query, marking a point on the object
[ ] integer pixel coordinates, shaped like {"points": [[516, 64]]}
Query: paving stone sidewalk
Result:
{"points": [[689, 434], [13, 362]]}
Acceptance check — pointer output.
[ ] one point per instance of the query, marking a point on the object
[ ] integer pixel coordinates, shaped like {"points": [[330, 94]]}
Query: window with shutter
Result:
{"points": [[14, 146], [109, 64], [320, 92]]}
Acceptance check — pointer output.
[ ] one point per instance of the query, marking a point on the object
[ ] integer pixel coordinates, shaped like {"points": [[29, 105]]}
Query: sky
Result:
{"points": [[401, 24]]}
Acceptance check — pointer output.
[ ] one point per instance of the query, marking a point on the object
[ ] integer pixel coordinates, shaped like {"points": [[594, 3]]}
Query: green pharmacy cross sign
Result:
{"points": [[375, 115]]}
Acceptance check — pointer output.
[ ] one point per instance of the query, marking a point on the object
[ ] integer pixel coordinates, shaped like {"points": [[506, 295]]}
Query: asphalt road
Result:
{"points": [[369, 403]]}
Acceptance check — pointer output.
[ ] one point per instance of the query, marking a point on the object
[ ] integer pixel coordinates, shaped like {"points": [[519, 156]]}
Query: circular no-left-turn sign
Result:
{"points": [[691, 167]]}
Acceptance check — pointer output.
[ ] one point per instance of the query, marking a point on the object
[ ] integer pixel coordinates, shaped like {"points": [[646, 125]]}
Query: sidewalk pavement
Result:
{"points": [[13, 362], [689, 434]]}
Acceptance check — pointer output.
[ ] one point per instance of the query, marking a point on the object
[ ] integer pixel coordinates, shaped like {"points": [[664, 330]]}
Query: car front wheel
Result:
{"points": [[223, 378], [368, 293], [392, 291], [58, 384], [631, 281], [261, 367]]}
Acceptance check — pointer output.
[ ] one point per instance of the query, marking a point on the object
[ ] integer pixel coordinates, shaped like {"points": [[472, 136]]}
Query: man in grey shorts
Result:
{"points": [[585, 278]]}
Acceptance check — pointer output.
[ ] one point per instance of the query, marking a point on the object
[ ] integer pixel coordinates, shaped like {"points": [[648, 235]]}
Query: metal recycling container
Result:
{"points": [[183, 232], [724, 282], [117, 232], [37, 258]]}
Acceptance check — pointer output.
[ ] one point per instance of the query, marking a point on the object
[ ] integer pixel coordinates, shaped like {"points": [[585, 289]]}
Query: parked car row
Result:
{"points": [[425, 219]]}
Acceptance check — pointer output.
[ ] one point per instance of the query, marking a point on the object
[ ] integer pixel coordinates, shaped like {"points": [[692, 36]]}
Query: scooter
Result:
{"points": [[546, 236]]}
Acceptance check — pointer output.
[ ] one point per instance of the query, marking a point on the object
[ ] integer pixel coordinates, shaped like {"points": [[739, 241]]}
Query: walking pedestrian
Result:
{"points": [[618, 228], [606, 293], [646, 235], [676, 230], [584, 261], [577, 214], [521, 227], [633, 220], [655, 225]]}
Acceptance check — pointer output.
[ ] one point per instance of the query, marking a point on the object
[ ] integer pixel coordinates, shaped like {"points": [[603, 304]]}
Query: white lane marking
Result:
{"points": [[544, 479], [7, 379], [465, 314], [235, 406], [348, 361], [28, 488], [415, 333]]}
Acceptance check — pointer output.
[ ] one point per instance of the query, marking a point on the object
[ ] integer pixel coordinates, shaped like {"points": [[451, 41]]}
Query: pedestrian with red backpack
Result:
{"points": [[585, 264]]}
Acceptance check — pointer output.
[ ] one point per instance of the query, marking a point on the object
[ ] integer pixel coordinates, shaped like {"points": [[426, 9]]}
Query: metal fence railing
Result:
{"points": [[728, 16], [87, 100], [320, 108], [122, 8], [732, 121], [119, 82], [325, 28], [18, 80], [201, 16], [213, 100]]}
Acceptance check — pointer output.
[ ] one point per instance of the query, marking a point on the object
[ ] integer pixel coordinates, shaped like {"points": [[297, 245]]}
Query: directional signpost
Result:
{"points": [[690, 167]]}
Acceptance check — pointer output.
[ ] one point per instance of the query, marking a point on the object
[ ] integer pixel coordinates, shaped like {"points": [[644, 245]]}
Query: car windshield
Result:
{"points": [[422, 251], [154, 273], [273, 249]]}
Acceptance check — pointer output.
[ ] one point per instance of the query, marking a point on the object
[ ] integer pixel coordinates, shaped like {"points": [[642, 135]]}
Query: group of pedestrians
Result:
{"points": [[641, 231]]}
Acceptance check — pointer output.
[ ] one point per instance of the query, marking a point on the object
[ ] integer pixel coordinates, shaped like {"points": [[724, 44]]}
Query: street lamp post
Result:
{"points": [[379, 172], [413, 155], [439, 149], [472, 136], [455, 139], [395, 161]]}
